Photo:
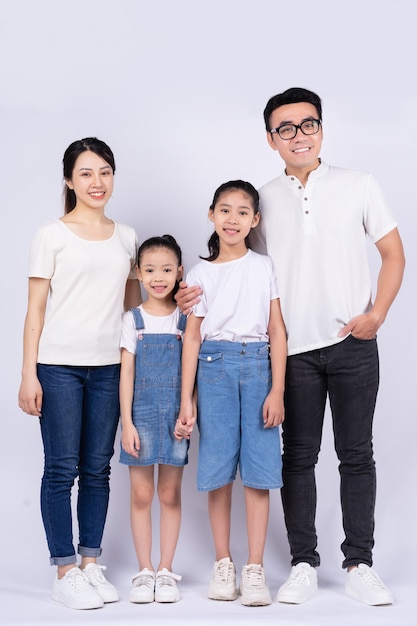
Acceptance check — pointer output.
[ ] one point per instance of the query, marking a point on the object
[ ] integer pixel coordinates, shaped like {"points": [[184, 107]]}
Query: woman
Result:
{"points": [[82, 264]]}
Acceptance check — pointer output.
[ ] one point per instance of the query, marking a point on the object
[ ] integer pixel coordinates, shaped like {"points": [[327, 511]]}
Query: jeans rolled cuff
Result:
{"points": [[94, 552], [63, 560]]}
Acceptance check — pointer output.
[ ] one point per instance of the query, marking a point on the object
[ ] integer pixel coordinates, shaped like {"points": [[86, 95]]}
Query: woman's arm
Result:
{"points": [[133, 296], [130, 437], [30, 392]]}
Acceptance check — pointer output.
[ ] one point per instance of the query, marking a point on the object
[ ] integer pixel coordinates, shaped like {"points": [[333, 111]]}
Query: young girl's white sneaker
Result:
{"points": [[143, 587], [74, 591], [166, 589]]}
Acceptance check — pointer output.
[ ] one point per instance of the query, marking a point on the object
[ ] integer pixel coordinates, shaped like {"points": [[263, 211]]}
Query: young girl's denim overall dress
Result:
{"points": [[156, 398]]}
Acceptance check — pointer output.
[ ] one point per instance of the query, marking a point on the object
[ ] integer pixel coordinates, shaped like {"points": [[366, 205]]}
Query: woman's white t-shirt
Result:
{"points": [[87, 287]]}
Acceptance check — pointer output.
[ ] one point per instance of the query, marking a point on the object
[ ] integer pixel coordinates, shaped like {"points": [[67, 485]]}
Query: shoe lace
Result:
{"points": [[254, 575], [299, 577], [145, 580], [167, 579], [224, 572], [77, 579], [96, 573], [371, 579]]}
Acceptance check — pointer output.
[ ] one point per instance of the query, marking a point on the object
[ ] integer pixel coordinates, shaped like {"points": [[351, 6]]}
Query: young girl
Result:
{"points": [[150, 387], [240, 384], [71, 364]]}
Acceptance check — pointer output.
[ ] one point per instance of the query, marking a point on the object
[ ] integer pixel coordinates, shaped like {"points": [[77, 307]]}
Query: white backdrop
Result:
{"points": [[177, 89]]}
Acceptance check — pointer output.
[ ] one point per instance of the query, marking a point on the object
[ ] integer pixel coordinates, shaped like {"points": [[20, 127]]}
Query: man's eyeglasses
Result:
{"points": [[289, 131]]}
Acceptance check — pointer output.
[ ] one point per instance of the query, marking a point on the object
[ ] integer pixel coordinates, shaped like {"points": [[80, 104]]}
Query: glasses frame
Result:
{"points": [[296, 127]]}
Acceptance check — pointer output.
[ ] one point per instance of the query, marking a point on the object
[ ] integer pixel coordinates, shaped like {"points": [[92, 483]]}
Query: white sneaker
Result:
{"points": [[364, 584], [143, 587], [223, 580], [75, 591], [253, 586], [300, 586], [96, 578], [166, 589]]}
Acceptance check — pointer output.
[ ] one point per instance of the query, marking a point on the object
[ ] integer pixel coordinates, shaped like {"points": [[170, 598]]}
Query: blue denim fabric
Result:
{"points": [[80, 413], [233, 380], [157, 395], [348, 373]]}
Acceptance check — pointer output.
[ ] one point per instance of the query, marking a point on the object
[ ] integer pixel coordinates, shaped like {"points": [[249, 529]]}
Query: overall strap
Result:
{"points": [[182, 320], [138, 318]]}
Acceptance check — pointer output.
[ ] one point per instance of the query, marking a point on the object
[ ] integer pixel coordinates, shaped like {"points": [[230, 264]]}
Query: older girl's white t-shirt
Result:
{"points": [[236, 297]]}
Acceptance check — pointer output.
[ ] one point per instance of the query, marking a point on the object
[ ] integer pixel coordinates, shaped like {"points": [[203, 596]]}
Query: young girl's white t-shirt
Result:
{"points": [[87, 285], [164, 324], [236, 297]]}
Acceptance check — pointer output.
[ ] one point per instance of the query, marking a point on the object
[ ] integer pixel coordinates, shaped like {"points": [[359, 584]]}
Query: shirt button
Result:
{"points": [[243, 352], [209, 358], [243, 343]]}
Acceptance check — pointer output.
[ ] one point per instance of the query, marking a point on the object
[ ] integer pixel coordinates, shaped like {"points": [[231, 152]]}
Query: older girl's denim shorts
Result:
{"points": [[233, 380]]}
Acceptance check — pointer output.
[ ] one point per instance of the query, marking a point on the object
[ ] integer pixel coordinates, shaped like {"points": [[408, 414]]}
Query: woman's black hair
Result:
{"points": [[232, 185], [72, 153]]}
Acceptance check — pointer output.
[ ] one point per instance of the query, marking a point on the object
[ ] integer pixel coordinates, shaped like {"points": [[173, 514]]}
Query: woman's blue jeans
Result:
{"points": [[80, 413], [348, 374]]}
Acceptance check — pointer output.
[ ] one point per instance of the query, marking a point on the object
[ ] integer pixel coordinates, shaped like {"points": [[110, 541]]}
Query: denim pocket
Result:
{"points": [[263, 362], [211, 367], [157, 355]]}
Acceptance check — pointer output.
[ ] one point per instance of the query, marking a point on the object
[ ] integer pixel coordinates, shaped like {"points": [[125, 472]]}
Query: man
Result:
{"points": [[314, 223]]}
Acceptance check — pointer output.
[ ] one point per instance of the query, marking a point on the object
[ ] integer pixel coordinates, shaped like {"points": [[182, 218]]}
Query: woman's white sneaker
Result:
{"points": [[75, 592], [95, 575]]}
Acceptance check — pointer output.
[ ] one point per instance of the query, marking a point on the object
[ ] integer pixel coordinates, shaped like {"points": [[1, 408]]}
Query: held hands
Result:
{"points": [[130, 440], [273, 410], [30, 396], [363, 326], [185, 422]]}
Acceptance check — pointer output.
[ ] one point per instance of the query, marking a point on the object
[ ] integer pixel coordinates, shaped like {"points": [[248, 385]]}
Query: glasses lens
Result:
{"points": [[288, 131], [310, 127]]}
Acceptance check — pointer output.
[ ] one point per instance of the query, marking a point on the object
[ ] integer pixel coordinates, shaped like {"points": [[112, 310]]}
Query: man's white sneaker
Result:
{"points": [[223, 580], [300, 586], [75, 591], [364, 584], [143, 587], [166, 589], [96, 578], [253, 587]]}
